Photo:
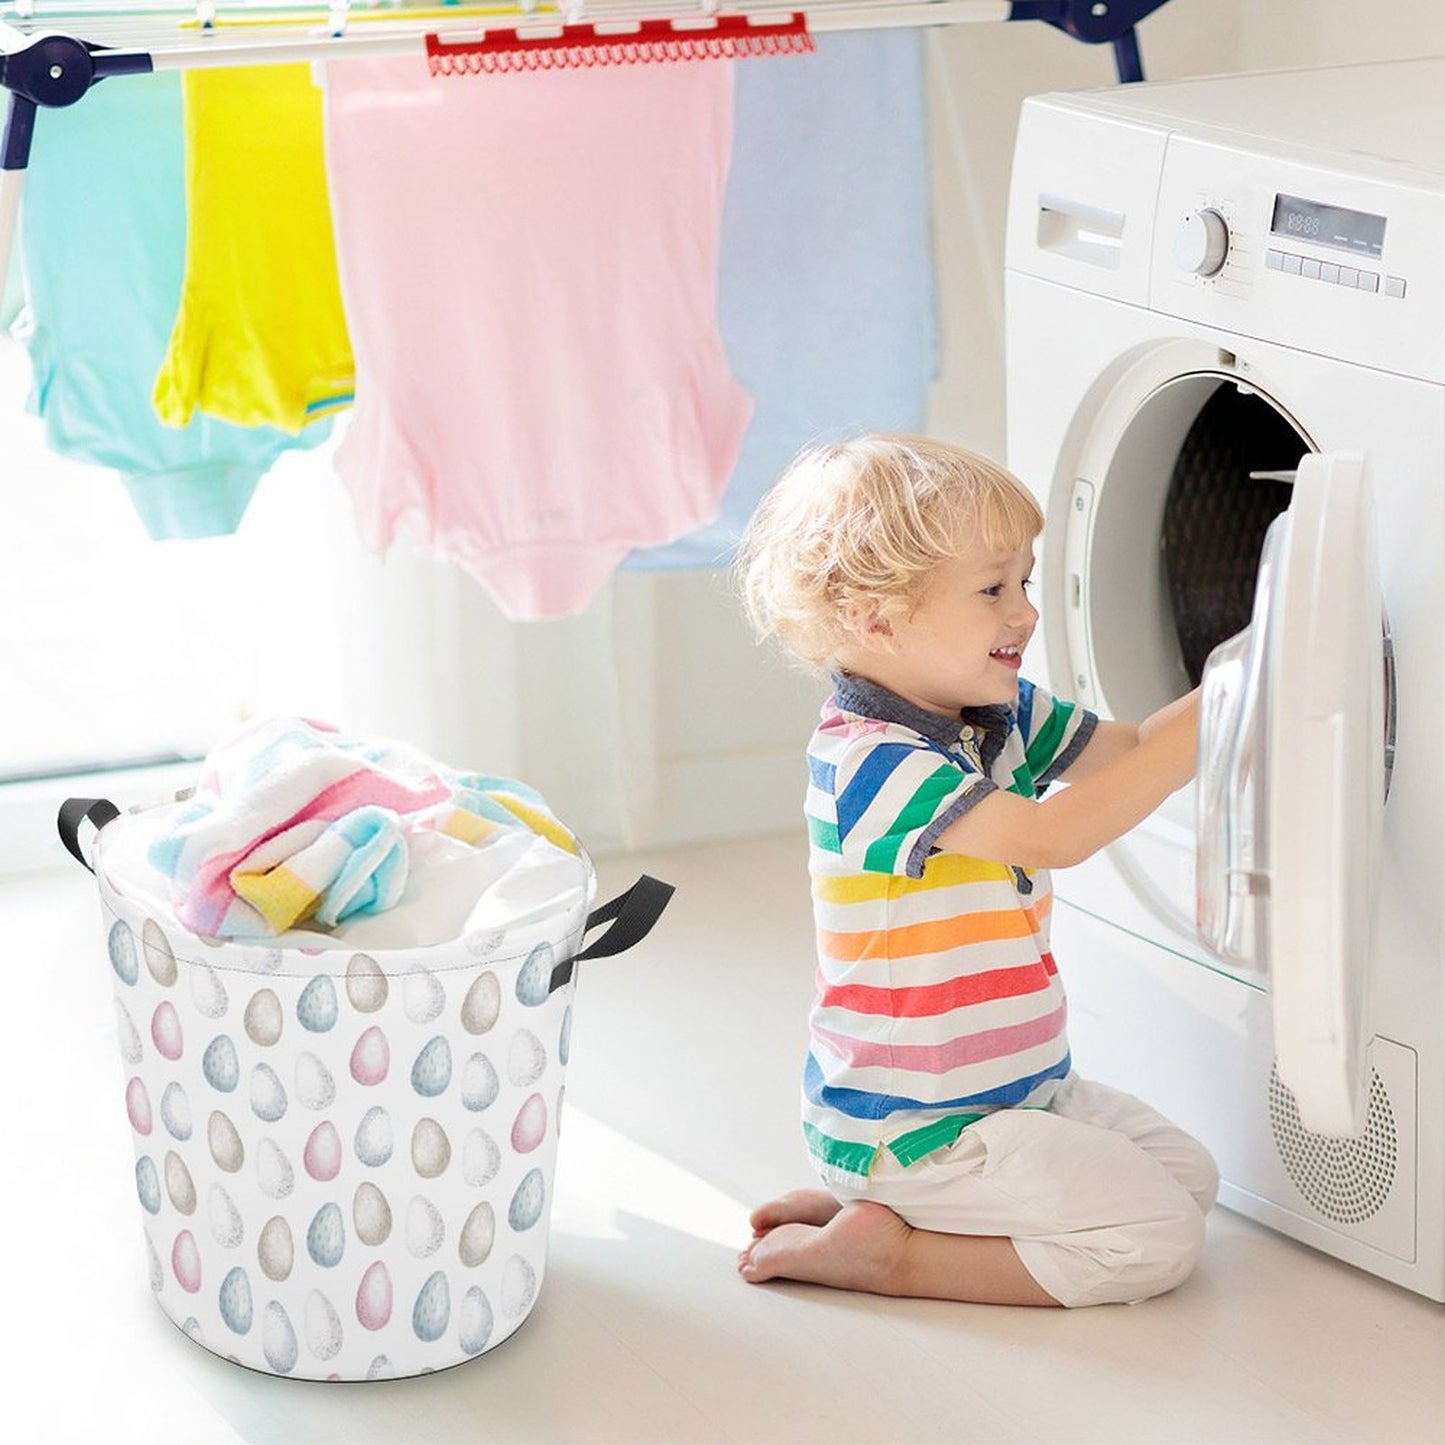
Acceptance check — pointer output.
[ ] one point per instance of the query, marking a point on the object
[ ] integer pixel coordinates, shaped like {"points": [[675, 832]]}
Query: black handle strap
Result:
{"points": [[632, 915], [74, 812]]}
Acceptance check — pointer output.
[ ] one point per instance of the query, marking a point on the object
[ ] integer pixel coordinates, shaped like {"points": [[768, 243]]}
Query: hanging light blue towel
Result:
{"points": [[102, 239], [826, 286]]}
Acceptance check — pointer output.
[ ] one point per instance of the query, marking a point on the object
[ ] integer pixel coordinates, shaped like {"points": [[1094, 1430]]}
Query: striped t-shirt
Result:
{"points": [[938, 1000]]}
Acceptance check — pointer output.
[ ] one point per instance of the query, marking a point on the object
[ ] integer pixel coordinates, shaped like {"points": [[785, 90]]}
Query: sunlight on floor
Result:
{"points": [[603, 1174]]}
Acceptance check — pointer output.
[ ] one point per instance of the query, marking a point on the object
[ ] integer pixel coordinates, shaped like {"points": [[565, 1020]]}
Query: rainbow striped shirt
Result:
{"points": [[938, 1000]]}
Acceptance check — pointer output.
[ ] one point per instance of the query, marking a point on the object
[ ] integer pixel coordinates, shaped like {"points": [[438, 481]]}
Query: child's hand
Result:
{"points": [[1188, 705]]}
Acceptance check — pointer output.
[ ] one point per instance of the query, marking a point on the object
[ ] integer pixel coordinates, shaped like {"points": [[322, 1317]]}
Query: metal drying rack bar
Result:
{"points": [[45, 62]]}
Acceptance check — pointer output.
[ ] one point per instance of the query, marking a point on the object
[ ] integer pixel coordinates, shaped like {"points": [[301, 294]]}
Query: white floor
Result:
{"points": [[680, 1114]]}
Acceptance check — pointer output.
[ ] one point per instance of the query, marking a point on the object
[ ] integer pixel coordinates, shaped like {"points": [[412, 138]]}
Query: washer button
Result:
{"points": [[1274, 260], [1349, 276], [1330, 272], [1394, 285], [1369, 281], [1310, 267], [1291, 264]]}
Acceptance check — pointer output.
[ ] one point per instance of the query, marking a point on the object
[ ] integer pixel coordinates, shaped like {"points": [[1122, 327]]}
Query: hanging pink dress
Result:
{"points": [[529, 268]]}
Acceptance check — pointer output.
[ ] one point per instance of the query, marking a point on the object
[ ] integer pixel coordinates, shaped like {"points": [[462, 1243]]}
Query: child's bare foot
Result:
{"points": [[856, 1246], [806, 1235], [797, 1206]]}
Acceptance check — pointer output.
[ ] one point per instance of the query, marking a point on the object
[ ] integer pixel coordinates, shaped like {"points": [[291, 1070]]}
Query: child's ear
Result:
{"points": [[868, 627]]}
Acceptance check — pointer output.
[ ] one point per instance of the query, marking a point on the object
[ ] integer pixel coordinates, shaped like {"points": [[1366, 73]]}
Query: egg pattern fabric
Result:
{"points": [[343, 1161]]}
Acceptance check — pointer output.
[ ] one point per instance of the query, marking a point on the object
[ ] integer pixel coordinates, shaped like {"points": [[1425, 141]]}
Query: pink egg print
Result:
{"points": [[138, 1106], [322, 1155], [371, 1057], [373, 1297], [166, 1031], [186, 1262], [530, 1127]]}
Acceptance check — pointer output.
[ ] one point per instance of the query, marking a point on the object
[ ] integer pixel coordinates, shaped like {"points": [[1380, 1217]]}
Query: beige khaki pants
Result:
{"points": [[1103, 1197]]}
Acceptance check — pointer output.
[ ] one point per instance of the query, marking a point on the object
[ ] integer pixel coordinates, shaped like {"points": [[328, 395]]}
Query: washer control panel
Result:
{"points": [[1337, 256], [1357, 278], [1201, 241]]}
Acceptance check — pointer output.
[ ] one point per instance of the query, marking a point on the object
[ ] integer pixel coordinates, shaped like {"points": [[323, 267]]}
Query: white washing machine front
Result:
{"points": [[1169, 429]]}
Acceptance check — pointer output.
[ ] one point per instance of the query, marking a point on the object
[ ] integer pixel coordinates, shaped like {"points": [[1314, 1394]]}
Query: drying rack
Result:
{"points": [[51, 54]]}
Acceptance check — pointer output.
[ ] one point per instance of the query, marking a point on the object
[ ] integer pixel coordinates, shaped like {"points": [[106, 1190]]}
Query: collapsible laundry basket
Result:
{"points": [[344, 1158]]}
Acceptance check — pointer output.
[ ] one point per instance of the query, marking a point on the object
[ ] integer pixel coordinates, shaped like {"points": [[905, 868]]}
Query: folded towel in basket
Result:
{"points": [[294, 822]]}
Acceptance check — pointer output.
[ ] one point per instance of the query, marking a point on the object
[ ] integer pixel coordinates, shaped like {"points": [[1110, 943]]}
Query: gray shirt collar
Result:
{"points": [[868, 699]]}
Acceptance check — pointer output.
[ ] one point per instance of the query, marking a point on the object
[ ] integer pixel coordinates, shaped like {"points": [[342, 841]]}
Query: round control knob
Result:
{"points": [[1202, 242]]}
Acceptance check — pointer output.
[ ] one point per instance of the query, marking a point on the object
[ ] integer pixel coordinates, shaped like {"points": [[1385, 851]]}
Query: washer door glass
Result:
{"points": [[1292, 786]]}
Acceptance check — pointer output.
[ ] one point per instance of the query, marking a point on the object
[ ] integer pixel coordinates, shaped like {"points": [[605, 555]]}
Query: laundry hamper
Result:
{"points": [[344, 1157]]}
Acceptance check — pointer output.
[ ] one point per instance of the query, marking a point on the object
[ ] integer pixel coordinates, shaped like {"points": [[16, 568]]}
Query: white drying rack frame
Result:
{"points": [[51, 54]]}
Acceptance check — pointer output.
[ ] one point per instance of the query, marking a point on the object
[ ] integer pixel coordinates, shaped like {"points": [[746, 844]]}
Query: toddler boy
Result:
{"points": [[963, 1156]]}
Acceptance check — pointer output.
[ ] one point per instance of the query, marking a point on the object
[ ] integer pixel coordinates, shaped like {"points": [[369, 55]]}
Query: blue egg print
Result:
{"points": [[176, 1112], [432, 1071], [326, 1239], [433, 1310], [527, 1203], [564, 1039], [121, 943], [235, 1301], [475, 1321], [268, 1094], [534, 978], [220, 1065], [148, 1184], [374, 1140], [317, 1008], [479, 1083]]}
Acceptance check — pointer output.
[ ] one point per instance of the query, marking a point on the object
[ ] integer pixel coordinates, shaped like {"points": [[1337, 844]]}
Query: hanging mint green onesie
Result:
{"points": [[103, 235]]}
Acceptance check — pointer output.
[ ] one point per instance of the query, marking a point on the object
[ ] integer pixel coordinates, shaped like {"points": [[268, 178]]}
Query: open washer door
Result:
{"points": [[1291, 787]]}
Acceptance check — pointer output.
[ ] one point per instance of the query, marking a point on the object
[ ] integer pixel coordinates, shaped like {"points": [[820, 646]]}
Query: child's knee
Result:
{"points": [[1169, 1249], [1179, 1249], [1202, 1180], [1135, 1262]]}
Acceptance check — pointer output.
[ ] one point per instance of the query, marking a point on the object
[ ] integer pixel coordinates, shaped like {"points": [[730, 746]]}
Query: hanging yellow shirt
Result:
{"points": [[260, 338]]}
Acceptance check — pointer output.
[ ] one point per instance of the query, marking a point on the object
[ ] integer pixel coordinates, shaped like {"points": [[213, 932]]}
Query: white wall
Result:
{"points": [[654, 718], [1286, 34]]}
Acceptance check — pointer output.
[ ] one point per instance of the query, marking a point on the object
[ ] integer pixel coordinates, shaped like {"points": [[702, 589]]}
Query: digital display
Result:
{"points": [[1355, 231]]}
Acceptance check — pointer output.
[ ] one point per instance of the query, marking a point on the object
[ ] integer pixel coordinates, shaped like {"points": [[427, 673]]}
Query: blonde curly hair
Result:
{"points": [[855, 528]]}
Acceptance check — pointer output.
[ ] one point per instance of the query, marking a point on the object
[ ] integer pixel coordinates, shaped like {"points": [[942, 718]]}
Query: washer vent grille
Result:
{"points": [[1346, 1180]]}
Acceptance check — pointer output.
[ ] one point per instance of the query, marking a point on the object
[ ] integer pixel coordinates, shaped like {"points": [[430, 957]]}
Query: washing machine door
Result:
{"points": [[1291, 787]]}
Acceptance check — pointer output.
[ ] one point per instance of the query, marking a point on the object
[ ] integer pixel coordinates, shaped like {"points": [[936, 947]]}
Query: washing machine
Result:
{"points": [[1226, 386]]}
